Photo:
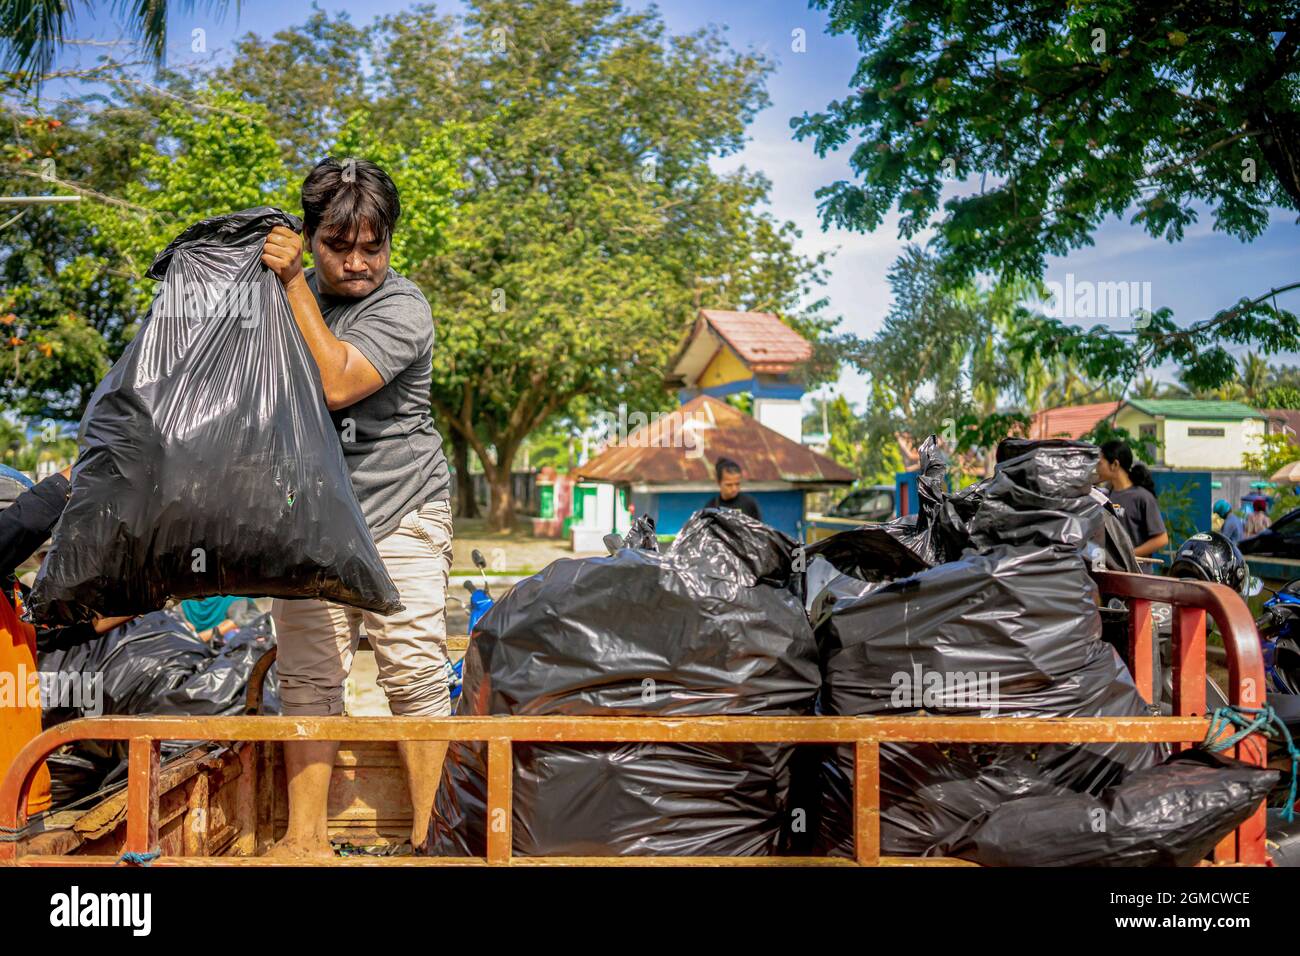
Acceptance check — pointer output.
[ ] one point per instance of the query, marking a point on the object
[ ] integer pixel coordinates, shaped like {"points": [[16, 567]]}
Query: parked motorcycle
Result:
{"points": [[479, 603], [1279, 634]]}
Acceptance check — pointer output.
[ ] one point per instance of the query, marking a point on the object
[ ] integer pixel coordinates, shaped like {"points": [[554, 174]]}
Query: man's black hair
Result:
{"points": [[725, 465], [338, 196]]}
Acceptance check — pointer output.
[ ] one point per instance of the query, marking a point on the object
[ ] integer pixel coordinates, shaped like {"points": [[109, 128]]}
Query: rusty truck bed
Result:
{"points": [[225, 805]]}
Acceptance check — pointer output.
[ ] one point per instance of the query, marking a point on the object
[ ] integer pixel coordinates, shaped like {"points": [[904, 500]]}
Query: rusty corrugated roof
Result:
{"points": [[1283, 420], [662, 453], [1072, 421]]}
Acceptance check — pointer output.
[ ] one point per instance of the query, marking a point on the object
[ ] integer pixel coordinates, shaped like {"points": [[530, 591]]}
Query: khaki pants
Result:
{"points": [[317, 639]]}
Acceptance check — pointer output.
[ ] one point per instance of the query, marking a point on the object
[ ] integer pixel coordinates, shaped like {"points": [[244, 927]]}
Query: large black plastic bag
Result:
{"points": [[136, 664], [209, 464], [1170, 815], [708, 627], [155, 664], [1011, 628]]}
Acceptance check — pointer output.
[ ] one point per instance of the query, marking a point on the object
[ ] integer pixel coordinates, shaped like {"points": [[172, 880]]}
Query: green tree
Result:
{"points": [[851, 442], [312, 78], [146, 166], [942, 362], [65, 311], [583, 226], [1280, 396], [592, 226], [1069, 114], [1274, 452], [1076, 111], [186, 176]]}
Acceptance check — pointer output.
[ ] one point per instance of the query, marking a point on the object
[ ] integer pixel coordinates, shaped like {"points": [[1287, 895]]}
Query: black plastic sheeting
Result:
{"points": [[1170, 815], [209, 463], [155, 664], [709, 627], [1006, 625]]}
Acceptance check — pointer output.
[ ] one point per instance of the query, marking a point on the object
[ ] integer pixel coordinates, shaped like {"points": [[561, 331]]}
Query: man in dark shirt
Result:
{"points": [[729, 494]]}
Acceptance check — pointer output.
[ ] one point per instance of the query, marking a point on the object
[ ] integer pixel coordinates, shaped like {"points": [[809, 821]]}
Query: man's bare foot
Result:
{"points": [[294, 849]]}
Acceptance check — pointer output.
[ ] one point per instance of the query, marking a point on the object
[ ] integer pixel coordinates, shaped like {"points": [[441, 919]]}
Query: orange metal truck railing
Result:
{"points": [[1192, 601]]}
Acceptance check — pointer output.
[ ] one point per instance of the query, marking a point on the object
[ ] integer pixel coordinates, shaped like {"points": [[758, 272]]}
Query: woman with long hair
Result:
{"points": [[1133, 490]]}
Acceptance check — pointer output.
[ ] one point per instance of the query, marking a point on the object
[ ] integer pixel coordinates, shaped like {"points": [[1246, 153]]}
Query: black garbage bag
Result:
{"points": [[218, 688], [710, 627], [209, 463], [78, 771], [135, 666], [1170, 815], [642, 534], [1010, 628], [155, 664]]}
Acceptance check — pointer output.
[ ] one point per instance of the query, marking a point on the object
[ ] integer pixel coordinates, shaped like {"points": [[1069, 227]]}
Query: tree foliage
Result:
{"points": [[1069, 113], [560, 206], [943, 361]]}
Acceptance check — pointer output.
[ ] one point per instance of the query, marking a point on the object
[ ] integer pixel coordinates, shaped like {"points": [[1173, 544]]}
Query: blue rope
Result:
{"points": [[142, 859], [1251, 720], [10, 834]]}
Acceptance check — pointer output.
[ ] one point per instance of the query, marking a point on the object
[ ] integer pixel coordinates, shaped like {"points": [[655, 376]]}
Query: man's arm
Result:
{"points": [[346, 375], [26, 523]]}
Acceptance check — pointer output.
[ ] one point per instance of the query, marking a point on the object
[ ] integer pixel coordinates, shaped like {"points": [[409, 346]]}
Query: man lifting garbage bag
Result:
{"points": [[708, 628], [208, 462]]}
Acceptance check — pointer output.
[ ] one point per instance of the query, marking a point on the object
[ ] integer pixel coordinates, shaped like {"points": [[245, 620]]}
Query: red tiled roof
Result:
{"points": [[763, 341], [1072, 421], [1283, 420], [658, 454]]}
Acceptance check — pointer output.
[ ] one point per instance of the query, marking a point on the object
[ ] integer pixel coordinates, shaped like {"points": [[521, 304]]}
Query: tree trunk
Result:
{"points": [[466, 506], [501, 508], [501, 498]]}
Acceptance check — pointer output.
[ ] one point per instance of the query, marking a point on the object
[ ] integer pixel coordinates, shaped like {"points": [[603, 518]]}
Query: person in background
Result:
{"points": [[217, 616], [1258, 519], [1133, 490], [1234, 529], [729, 494]]}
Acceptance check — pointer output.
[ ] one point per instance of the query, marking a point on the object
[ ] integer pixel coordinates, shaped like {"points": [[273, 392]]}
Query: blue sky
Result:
{"points": [[1205, 272]]}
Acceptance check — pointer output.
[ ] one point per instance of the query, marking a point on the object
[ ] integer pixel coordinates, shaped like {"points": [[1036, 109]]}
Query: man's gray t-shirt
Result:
{"points": [[394, 453]]}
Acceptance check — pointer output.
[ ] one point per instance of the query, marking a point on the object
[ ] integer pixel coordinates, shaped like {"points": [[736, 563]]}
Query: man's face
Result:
{"points": [[729, 485], [353, 265]]}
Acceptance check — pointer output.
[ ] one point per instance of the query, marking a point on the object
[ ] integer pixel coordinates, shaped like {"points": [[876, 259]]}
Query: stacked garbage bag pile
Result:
{"points": [[1003, 622], [980, 604], [711, 627], [155, 664]]}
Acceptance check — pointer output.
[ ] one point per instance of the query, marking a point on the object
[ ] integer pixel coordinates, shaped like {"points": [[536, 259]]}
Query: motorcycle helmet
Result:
{"points": [[1210, 556]]}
